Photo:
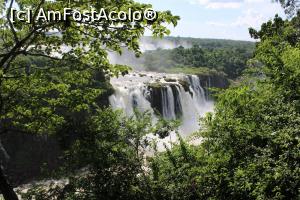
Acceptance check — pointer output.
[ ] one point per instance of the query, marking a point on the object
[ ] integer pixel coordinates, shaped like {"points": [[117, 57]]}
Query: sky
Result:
{"points": [[222, 19]]}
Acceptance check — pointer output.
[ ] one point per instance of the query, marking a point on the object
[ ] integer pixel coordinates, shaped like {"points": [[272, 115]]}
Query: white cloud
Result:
{"points": [[252, 13], [254, 1], [229, 4], [217, 4], [249, 18]]}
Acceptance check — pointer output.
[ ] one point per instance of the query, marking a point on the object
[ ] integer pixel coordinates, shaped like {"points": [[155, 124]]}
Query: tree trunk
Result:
{"points": [[6, 189]]}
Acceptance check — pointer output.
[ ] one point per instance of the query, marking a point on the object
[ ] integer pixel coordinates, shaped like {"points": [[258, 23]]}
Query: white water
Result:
{"points": [[168, 103], [131, 92]]}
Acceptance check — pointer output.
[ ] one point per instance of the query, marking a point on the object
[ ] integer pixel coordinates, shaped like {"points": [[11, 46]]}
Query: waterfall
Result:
{"points": [[128, 99], [196, 88], [168, 105], [178, 102], [164, 93]]}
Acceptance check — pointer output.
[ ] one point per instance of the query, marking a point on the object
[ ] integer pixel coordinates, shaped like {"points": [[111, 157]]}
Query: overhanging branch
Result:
{"points": [[10, 23]]}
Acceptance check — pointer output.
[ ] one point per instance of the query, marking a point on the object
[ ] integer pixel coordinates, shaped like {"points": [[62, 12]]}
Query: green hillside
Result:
{"points": [[228, 56]]}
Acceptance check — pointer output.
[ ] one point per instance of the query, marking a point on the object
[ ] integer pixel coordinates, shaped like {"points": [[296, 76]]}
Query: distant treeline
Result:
{"points": [[226, 56]]}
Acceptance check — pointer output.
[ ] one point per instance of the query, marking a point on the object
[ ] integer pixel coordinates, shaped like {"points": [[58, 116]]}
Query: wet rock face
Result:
{"points": [[184, 84], [177, 101], [214, 80], [155, 98]]}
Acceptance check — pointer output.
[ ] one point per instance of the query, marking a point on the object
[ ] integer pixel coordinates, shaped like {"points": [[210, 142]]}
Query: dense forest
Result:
{"points": [[218, 55], [249, 145]]}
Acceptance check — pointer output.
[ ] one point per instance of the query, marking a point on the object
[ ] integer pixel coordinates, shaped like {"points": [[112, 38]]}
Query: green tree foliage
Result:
{"points": [[51, 96], [250, 145], [175, 172]]}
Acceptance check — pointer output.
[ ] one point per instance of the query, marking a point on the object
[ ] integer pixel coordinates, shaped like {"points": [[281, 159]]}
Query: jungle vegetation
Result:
{"points": [[224, 56], [250, 144]]}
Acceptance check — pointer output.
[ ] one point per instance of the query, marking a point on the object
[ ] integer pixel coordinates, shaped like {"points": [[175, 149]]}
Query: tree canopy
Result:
{"points": [[53, 73]]}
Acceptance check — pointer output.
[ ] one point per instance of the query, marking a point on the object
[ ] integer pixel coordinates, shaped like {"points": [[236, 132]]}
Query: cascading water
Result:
{"points": [[168, 106], [163, 93], [196, 88]]}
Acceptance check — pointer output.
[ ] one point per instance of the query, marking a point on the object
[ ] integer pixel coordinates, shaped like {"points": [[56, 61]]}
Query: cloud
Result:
{"points": [[226, 4], [218, 4], [254, 1], [249, 18], [252, 13]]}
